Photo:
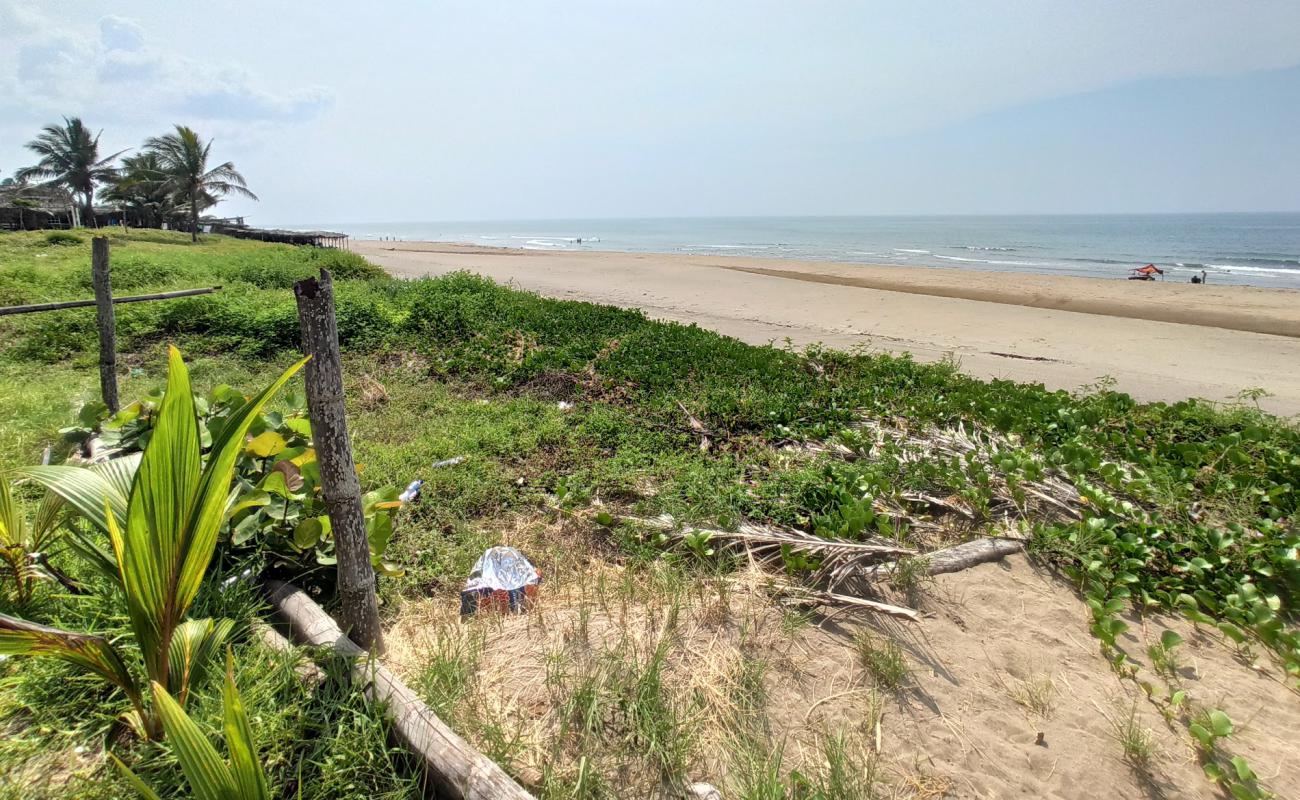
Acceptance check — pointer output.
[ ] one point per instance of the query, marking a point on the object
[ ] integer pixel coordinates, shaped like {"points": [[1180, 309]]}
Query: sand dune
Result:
{"points": [[1158, 340]]}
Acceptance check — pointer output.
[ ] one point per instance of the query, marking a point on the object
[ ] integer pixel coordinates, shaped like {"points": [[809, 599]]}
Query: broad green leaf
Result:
{"points": [[299, 425], [19, 637], [379, 529], [208, 775], [254, 499], [1232, 632], [13, 525], [84, 489], [133, 779], [157, 538], [118, 472], [194, 644], [246, 529], [103, 561], [307, 533], [210, 505], [1221, 724], [247, 769], [266, 444], [1169, 640], [1244, 772], [274, 484], [1242, 792]]}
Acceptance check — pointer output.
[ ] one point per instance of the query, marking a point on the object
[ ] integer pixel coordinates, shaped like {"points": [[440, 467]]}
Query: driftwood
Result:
{"points": [[454, 767], [959, 557], [135, 298]]}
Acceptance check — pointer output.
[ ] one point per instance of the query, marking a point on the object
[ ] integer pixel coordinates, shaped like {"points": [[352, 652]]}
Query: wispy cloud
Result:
{"points": [[114, 73]]}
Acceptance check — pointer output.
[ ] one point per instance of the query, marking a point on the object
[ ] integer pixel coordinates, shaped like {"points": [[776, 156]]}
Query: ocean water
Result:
{"points": [[1255, 249]]}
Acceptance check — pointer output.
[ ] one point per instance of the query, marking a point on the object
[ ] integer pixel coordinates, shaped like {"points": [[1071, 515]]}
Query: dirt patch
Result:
{"points": [[553, 386], [621, 677]]}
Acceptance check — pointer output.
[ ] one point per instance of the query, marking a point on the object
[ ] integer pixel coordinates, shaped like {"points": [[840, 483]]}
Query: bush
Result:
{"points": [[62, 238]]}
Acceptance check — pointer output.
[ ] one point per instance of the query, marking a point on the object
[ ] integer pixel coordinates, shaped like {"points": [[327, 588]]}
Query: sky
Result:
{"points": [[530, 109]]}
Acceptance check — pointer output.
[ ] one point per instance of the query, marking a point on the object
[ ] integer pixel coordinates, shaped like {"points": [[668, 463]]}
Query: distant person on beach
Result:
{"points": [[1200, 278]]}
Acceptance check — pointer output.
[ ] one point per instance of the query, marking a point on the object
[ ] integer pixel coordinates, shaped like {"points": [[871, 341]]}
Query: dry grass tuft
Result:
{"points": [[635, 680]]}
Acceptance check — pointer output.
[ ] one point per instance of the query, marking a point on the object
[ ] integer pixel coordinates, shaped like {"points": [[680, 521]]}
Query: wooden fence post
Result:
{"points": [[359, 612], [106, 321]]}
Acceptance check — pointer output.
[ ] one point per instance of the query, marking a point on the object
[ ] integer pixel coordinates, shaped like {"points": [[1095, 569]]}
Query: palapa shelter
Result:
{"points": [[240, 231], [27, 207]]}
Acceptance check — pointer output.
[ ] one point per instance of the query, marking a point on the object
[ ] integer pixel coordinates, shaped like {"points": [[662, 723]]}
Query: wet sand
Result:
{"points": [[1157, 340]]}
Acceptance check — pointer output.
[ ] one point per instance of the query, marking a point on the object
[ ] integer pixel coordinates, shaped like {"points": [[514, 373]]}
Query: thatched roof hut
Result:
{"points": [[27, 207]]}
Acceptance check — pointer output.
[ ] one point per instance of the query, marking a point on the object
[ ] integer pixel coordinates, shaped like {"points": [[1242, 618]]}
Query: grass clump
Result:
{"points": [[883, 660], [1036, 693], [1137, 742], [62, 238]]}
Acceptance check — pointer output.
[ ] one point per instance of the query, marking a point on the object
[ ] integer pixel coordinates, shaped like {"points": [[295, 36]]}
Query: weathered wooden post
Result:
{"points": [[359, 612], [106, 321]]}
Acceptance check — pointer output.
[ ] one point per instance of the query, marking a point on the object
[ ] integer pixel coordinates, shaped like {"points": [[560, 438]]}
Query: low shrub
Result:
{"points": [[62, 238]]}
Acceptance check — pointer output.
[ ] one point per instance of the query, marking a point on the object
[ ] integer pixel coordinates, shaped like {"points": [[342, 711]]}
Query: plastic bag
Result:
{"points": [[502, 580]]}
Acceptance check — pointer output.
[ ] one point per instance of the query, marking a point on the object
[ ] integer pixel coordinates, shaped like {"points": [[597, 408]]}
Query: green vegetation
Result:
{"points": [[181, 172], [207, 774], [1137, 742], [1187, 507], [163, 533], [883, 660], [168, 181], [69, 157]]}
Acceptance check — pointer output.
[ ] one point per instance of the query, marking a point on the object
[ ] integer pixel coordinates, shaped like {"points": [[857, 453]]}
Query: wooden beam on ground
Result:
{"points": [[454, 767], [138, 298]]}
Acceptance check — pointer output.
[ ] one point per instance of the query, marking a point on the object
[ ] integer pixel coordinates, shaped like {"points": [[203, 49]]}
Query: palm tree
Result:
{"points": [[183, 157], [70, 158], [141, 187]]}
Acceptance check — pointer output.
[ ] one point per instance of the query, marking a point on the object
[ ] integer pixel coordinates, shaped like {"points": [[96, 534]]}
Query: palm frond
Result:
{"points": [[19, 637], [193, 645]]}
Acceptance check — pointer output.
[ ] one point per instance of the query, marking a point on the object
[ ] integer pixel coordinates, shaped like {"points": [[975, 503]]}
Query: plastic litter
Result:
{"points": [[502, 580], [412, 492]]}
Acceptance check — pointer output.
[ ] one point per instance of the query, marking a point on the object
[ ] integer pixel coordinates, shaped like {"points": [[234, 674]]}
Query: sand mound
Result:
{"points": [[621, 676]]}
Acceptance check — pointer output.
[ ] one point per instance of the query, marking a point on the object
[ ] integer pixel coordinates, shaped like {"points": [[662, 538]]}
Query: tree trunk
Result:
{"points": [[105, 319], [194, 218], [88, 212], [340, 486]]}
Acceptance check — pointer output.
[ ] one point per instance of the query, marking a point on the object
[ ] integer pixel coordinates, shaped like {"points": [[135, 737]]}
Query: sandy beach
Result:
{"points": [[1157, 340]]}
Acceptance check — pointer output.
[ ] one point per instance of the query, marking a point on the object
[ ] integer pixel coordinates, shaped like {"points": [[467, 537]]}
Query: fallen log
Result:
{"points": [[958, 557], [454, 767]]}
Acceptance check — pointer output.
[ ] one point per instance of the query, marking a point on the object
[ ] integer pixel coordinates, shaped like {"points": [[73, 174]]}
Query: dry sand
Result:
{"points": [[1008, 695], [1158, 340]]}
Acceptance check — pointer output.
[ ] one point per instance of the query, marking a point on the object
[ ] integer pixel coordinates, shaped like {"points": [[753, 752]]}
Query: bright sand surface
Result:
{"points": [[1158, 340]]}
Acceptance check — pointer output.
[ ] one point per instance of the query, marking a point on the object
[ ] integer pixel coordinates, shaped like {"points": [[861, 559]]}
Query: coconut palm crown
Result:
{"points": [[183, 158], [70, 158]]}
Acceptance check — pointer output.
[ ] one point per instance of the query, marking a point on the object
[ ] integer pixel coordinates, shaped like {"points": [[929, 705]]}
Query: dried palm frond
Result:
{"points": [[1052, 497], [768, 547]]}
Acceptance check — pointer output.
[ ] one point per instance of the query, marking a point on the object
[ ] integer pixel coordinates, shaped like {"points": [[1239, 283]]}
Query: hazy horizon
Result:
{"points": [[1262, 212], [590, 110]]}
